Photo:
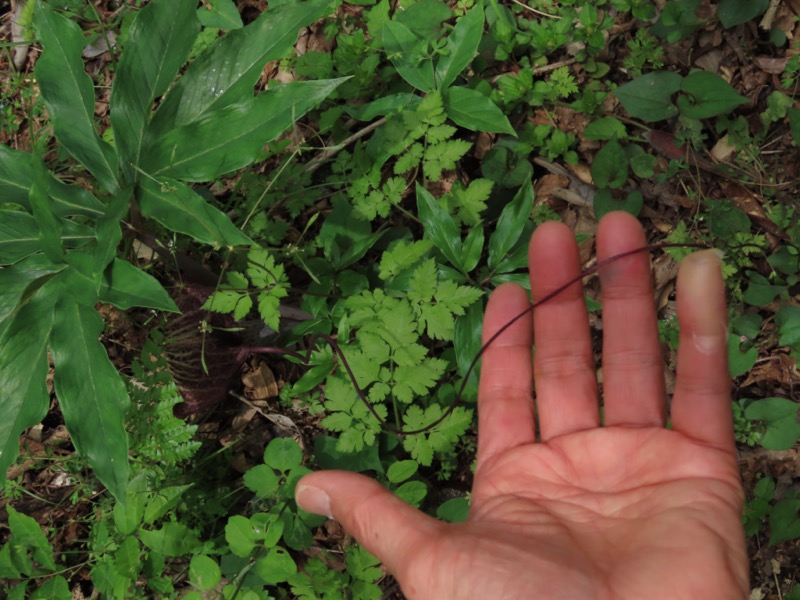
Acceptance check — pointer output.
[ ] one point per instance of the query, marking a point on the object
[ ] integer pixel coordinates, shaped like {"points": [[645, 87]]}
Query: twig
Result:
{"points": [[332, 151]]}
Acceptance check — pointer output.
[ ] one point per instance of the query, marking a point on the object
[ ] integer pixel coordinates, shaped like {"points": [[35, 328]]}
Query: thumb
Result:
{"points": [[385, 525]]}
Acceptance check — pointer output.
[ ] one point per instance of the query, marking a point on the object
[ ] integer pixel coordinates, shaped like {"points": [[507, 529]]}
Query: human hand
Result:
{"points": [[627, 510]]}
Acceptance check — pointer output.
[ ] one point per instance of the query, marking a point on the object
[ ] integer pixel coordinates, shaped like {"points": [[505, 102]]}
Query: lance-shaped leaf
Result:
{"points": [[179, 208], [49, 225], [69, 94], [231, 138], [472, 110], [461, 47], [510, 225], [17, 279], [108, 230], [17, 176], [91, 393], [19, 236], [226, 73], [125, 286], [408, 54], [440, 227], [159, 42], [23, 370]]}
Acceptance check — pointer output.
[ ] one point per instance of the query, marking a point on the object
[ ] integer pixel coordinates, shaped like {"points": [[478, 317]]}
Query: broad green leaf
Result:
{"points": [[408, 54], [159, 41], [605, 202], [605, 129], [48, 224], [467, 339], [109, 230], [126, 286], [473, 248], [781, 418], [413, 492], [784, 521], [440, 227], [173, 539], [23, 369], [736, 12], [55, 588], [401, 470], [277, 566], [17, 279], [649, 97], [179, 208], [227, 73], [232, 137], [68, 93], [204, 572], [27, 532], [610, 165], [17, 176], [455, 510], [240, 535], [461, 47], [510, 225], [740, 362], [19, 236], [788, 321], [794, 124], [384, 106], [283, 454], [709, 95], [221, 14], [472, 110], [91, 393]]}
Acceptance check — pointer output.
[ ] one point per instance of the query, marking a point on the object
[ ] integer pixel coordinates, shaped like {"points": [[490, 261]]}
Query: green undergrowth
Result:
{"points": [[402, 197]]}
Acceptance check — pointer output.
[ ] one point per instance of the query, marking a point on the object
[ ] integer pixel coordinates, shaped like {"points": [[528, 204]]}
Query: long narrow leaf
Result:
{"points": [[69, 95], [227, 72], [91, 393], [159, 42], [179, 208], [510, 225], [125, 286], [17, 175], [461, 48], [23, 370], [49, 225], [233, 137], [17, 279], [440, 227]]}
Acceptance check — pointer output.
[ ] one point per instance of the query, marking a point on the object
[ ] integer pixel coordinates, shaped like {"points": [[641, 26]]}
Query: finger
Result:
{"points": [[385, 525], [701, 406], [563, 365], [505, 397], [633, 368]]}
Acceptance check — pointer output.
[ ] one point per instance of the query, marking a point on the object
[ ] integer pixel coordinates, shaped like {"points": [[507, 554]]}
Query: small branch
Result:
{"points": [[327, 154]]}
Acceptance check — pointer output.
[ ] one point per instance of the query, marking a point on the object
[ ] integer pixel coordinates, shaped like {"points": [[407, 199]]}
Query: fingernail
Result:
{"points": [[314, 500], [702, 277]]}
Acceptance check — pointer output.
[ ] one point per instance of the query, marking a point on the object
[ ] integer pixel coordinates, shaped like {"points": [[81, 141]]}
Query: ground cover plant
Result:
{"points": [[188, 190]]}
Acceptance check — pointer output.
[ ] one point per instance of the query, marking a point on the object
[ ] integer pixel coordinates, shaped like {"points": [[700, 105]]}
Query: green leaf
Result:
{"points": [[126, 286], [262, 480], [510, 225], [794, 124], [784, 521], [283, 454], [473, 248], [401, 470], [179, 208], [605, 202], [708, 96], [610, 166], [461, 47], [221, 14], [439, 227], [55, 588], [159, 41], [109, 231], [649, 97], [606, 128], [788, 321], [394, 103], [408, 54], [204, 572], [227, 73], [455, 510], [759, 291], [91, 394], [173, 539], [232, 137], [68, 93], [277, 566], [48, 224], [17, 176], [472, 110], [19, 236], [27, 533], [781, 418], [240, 535], [736, 12], [23, 369]]}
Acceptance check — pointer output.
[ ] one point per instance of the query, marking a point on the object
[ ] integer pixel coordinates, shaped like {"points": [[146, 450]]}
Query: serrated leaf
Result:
{"points": [[159, 41], [510, 225], [179, 208], [68, 93], [125, 286], [473, 111], [227, 72], [91, 393], [649, 97], [401, 256], [232, 137]]}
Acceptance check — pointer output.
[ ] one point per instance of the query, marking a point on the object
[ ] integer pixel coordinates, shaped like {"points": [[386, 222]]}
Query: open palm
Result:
{"points": [[628, 510]]}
